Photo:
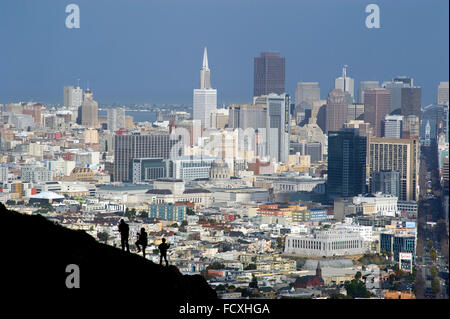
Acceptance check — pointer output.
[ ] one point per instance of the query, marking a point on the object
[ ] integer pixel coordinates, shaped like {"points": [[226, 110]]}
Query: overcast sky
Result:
{"points": [[136, 51]]}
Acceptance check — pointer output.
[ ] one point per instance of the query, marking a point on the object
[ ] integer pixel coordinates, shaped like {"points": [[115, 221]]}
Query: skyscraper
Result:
{"points": [[336, 110], [396, 93], [410, 126], [345, 83], [366, 85], [404, 79], [277, 125], [386, 182], [377, 103], [205, 98], [269, 74], [89, 110], [77, 97], [306, 94], [402, 155], [355, 111], [130, 147], [116, 119], [442, 94], [68, 96], [346, 163], [393, 126], [73, 98], [411, 101], [247, 116]]}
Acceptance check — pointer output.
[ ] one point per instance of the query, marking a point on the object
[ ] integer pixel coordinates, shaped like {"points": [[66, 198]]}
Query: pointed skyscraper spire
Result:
{"points": [[205, 59], [205, 81]]}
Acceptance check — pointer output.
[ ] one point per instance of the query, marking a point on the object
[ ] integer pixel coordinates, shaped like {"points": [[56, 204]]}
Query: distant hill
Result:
{"points": [[35, 252]]}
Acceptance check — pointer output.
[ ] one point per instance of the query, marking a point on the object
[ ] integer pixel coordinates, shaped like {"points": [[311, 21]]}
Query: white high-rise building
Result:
{"points": [[205, 98], [345, 83], [77, 97], [116, 119], [443, 93], [393, 126], [278, 127], [73, 98]]}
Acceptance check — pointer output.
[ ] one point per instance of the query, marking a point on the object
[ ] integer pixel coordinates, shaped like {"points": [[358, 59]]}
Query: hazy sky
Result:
{"points": [[135, 51]]}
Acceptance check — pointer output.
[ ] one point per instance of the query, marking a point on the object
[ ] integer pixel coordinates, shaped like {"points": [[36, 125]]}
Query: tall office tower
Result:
{"points": [[68, 96], [345, 83], [306, 94], [386, 182], [278, 126], [442, 94], [355, 111], [116, 119], [346, 163], [130, 147], [402, 155], [268, 74], [404, 79], [247, 116], [411, 101], [336, 110], [377, 103], [89, 110], [77, 97], [205, 98], [73, 98], [393, 126], [410, 126], [396, 93], [366, 85]]}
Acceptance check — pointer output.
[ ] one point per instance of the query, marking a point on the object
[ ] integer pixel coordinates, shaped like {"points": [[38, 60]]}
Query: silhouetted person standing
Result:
{"points": [[163, 251], [124, 231], [142, 241]]}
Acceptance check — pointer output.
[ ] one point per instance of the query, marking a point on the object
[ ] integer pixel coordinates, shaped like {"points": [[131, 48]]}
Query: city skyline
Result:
{"points": [[131, 72]]}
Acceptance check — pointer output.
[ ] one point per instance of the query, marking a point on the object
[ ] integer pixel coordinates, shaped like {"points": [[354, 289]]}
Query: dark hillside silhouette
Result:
{"points": [[35, 253]]}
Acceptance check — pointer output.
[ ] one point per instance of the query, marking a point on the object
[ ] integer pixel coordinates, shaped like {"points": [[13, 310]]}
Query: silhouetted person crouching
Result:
{"points": [[163, 251], [124, 231], [142, 241]]}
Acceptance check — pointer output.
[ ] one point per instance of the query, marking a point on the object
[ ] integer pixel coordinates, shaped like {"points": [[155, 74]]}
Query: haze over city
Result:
{"points": [[150, 51]]}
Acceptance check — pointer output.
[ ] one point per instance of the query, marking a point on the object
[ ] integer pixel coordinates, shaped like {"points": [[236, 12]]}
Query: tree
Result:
{"points": [[435, 286], [183, 225], [103, 236], [280, 242], [430, 244], [358, 275], [143, 214], [357, 289], [130, 213], [433, 254], [433, 271], [215, 265], [190, 211], [250, 267], [253, 283]]}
